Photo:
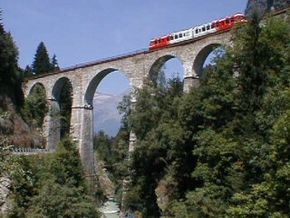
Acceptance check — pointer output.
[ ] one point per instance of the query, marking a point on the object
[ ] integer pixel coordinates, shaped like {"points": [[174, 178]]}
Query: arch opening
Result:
{"points": [[104, 93], [36, 107], [90, 92], [207, 57], [62, 93], [36, 88], [166, 68]]}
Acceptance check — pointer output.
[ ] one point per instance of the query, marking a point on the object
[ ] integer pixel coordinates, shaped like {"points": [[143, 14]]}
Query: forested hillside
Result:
{"points": [[13, 130], [49, 185], [223, 149]]}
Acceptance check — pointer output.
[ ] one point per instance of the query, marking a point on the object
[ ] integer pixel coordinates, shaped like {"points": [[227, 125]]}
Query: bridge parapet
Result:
{"points": [[31, 151]]}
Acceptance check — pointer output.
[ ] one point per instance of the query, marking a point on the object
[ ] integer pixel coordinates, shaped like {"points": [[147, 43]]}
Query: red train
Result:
{"points": [[195, 32]]}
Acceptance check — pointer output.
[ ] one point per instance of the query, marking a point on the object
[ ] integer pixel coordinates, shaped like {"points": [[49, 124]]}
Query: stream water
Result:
{"points": [[110, 209]]}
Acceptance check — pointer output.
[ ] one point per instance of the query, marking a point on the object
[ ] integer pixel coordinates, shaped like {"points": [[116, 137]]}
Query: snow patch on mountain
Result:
{"points": [[106, 114]]}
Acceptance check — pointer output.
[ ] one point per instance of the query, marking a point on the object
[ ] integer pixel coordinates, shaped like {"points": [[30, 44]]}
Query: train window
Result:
{"points": [[180, 35], [208, 27], [213, 25], [171, 37], [196, 31], [203, 28], [176, 36]]}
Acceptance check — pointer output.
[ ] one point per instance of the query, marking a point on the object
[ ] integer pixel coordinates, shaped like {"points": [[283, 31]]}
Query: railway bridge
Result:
{"points": [[137, 66]]}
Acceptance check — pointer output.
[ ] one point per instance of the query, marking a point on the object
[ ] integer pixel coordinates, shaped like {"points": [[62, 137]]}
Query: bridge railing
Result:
{"points": [[86, 64], [102, 60], [31, 151]]}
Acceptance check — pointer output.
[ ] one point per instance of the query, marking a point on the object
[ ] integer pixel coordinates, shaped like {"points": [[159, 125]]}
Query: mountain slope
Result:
{"points": [[106, 115]]}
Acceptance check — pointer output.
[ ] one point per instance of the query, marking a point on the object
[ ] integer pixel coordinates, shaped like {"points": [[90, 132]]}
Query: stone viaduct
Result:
{"points": [[137, 66]]}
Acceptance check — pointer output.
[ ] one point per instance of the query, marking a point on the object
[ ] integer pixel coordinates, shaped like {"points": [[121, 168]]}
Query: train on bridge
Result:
{"points": [[198, 31]]}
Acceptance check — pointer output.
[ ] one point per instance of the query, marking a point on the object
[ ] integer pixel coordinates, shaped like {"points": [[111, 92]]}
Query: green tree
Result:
{"points": [[35, 107], [237, 160], [65, 104], [51, 186], [28, 72], [222, 149], [102, 144], [41, 63], [10, 76], [158, 137], [54, 63]]}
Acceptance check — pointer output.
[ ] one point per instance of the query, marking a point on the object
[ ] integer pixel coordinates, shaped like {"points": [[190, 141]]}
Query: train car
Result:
{"points": [[204, 29], [229, 22], [198, 31], [170, 39], [159, 42], [180, 36]]}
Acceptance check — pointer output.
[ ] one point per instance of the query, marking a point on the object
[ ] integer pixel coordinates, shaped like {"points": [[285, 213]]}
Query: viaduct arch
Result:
{"points": [[137, 67]]}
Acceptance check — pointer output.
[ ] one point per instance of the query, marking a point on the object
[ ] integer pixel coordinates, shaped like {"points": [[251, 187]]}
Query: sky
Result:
{"points": [[86, 30]]}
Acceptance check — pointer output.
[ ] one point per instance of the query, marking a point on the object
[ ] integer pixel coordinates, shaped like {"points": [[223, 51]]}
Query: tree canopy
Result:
{"points": [[42, 63], [10, 75], [221, 150]]}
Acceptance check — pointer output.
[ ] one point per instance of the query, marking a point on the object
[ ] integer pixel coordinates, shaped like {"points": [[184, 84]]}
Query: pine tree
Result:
{"points": [[54, 63], [10, 76], [28, 71], [41, 62]]}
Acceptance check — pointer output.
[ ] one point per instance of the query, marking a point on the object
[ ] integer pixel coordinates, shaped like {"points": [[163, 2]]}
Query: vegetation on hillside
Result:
{"points": [[113, 152], [223, 149], [35, 107], [51, 185]]}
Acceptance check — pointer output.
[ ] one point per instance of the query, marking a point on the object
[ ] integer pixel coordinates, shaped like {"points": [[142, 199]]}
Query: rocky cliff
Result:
{"points": [[266, 5], [13, 129]]}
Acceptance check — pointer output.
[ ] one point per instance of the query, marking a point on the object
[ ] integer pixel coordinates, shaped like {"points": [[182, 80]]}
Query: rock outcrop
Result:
{"points": [[5, 185], [106, 185], [13, 129]]}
